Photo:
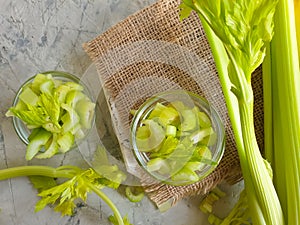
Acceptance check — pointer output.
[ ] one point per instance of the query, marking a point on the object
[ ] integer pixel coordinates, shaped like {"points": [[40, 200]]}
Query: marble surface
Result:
{"points": [[37, 36]]}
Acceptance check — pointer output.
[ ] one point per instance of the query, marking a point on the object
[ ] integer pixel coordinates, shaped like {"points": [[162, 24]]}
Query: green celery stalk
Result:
{"points": [[282, 67], [238, 49], [297, 19], [87, 181]]}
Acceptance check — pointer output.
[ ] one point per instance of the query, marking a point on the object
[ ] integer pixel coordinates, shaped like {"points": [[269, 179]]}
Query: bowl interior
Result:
{"points": [[189, 99]]}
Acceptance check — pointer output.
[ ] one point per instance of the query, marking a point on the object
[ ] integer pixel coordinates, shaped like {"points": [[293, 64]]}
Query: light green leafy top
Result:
{"points": [[243, 26]]}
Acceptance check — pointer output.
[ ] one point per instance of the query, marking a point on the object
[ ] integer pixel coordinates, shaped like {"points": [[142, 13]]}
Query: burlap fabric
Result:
{"points": [[153, 51]]}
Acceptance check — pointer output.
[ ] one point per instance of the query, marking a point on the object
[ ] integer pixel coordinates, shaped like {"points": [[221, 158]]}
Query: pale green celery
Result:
{"points": [[158, 164], [199, 135], [47, 87], [171, 130], [168, 115], [65, 141], [282, 68], [189, 120], [28, 96], [134, 194], [238, 49], [185, 174], [37, 81], [70, 119], [85, 110], [297, 19], [204, 120], [37, 141], [73, 97], [155, 138], [157, 110], [69, 172], [51, 150]]}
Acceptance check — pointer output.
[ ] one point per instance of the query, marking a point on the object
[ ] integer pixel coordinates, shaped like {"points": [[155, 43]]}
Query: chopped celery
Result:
{"points": [[157, 110], [62, 91], [156, 137], [38, 80], [143, 132], [28, 96], [134, 194], [170, 135], [73, 97], [65, 141], [168, 116], [185, 174], [70, 119], [47, 87], [171, 130], [199, 135], [189, 120], [51, 149], [37, 141], [167, 147], [85, 110], [158, 164], [204, 120], [74, 86], [60, 108]]}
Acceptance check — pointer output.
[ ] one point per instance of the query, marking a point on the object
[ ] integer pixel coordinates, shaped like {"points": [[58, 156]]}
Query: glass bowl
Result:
{"points": [[205, 163], [22, 129]]}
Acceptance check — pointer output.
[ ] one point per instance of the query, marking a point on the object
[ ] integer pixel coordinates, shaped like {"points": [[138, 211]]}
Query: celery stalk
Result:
{"points": [[283, 68], [297, 19], [238, 49]]}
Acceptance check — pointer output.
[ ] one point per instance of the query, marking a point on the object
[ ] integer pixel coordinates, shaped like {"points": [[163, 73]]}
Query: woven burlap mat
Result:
{"points": [[153, 51]]}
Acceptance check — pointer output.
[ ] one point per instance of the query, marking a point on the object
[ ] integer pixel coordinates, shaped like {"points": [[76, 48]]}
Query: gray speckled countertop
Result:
{"points": [[46, 35]]}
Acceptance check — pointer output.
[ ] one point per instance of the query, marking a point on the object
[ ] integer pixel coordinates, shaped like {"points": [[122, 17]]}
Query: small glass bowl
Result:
{"points": [[21, 128], [189, 99]]}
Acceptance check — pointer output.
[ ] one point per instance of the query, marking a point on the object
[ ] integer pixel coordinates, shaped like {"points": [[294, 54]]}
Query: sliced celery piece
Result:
{"points": [[37, 81], [168, 146], [47, 87], [143, 132], [134, 194], [157, 110], [171, 130], [73, 97], [51, 150], [155, 138], [28, 96], [74, 86], [62, 91], [185, 174], [189, 120], [65, 142], [85, 110], [199, 135], [70, 119], [168, 116], [158, 164], [37, 141], [204, 120]]}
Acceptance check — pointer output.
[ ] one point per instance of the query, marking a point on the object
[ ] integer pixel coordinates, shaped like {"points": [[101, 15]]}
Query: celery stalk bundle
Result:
{"points": [[297, 18], [238, 32], [282, 109]]}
